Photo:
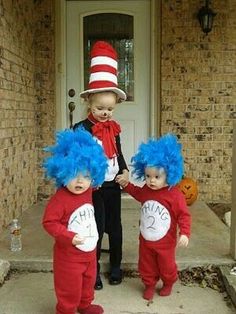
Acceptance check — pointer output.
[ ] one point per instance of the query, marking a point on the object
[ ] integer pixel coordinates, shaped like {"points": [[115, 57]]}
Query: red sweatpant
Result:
{"points": [[156, 263], [74, 285]]}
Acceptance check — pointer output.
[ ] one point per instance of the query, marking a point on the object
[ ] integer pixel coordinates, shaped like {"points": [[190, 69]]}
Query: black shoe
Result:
{"points": [[115, 277], [98, 284], [115, 281]]}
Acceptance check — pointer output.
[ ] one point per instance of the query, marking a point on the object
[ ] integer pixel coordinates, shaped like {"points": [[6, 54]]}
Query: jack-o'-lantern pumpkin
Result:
{"points": [[190, 190]]}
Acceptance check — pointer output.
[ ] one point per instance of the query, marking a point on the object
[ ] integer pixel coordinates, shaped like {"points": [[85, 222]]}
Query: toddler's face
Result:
{"points": [[155, 178], [102, 105], [79, 184]]}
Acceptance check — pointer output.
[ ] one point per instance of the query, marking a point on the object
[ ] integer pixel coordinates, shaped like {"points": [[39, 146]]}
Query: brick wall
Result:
{"points": [[18, 153], [45, 85], [198, 77], [27, 106]]}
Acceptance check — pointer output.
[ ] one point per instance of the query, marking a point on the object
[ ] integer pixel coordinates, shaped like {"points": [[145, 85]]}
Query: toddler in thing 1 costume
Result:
{"points": [[77, 164]]}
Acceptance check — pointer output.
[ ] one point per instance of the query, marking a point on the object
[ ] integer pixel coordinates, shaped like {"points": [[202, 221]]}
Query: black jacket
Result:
{"points": [[87, 124]]}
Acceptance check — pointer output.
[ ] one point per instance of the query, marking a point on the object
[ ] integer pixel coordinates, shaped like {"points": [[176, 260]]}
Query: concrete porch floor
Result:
{"points": [[209, 243]]}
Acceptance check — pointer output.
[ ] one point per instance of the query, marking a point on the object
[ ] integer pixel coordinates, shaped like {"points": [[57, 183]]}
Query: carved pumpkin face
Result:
{"points": [[189, 188]]}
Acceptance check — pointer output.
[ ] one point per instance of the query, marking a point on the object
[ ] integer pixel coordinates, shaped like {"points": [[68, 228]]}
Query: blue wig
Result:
{"points": [[165, 153], [75, 152]]}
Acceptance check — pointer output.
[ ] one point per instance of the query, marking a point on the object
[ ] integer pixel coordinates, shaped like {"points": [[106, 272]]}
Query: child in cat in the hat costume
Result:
{"points": [[102, 96], [160, 163], [77, 164]]}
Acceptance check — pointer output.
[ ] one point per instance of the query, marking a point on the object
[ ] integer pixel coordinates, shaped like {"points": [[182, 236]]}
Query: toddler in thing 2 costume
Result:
{"points": [[160, 163]]}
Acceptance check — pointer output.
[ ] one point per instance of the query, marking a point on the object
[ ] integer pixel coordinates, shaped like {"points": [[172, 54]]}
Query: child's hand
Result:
{"points": [[78, 240], [123, 179], [183, 240]]}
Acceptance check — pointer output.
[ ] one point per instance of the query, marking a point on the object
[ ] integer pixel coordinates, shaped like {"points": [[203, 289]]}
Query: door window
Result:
{"points": [[118, 30]]}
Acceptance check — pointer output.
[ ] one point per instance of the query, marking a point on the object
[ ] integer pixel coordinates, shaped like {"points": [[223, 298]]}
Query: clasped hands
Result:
{"points": [[123, 179]]}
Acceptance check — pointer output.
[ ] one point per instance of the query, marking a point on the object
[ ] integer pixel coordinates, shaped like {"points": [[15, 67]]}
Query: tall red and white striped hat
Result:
{"points": [[103, 71]]}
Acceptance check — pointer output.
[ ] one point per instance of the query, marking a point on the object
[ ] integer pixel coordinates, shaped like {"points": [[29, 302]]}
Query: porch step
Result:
{"points": [[209, 243], [229, 281]]}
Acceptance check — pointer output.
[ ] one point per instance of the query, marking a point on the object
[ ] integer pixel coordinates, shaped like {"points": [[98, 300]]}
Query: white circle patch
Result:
{"points": [[155, 220], [82, 222]]}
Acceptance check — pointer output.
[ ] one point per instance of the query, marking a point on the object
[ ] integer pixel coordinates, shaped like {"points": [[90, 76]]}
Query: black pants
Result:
{"points": [[107, 207]]}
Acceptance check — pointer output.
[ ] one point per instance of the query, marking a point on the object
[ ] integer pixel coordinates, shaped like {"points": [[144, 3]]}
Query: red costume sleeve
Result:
{"points": [[184, 217], [134, 191], [52, 222]]}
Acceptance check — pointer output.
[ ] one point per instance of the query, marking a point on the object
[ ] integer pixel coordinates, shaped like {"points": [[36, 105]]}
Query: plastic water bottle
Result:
{"points": [[15, 230]]}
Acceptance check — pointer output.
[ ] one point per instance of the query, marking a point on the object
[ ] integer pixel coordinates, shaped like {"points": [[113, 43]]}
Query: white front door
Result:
{"points": [[88, 21]]}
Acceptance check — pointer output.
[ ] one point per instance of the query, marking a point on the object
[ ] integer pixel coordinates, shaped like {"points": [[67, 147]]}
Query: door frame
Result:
{"points": [[155, 73]]}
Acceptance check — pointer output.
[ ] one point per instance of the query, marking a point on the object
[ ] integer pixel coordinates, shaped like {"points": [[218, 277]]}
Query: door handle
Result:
{"points": [[71, 107]]}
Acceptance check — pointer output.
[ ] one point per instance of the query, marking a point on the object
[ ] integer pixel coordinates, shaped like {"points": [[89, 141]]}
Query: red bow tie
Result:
{"points": [[106, 132]]}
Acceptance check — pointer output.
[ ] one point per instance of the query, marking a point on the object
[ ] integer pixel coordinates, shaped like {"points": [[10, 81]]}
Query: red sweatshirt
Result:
{"points": [[61, 209], [162, 211]]}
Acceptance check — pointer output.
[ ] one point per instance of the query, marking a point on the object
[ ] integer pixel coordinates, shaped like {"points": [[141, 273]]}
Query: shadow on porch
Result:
{"points": [[209, 244]]}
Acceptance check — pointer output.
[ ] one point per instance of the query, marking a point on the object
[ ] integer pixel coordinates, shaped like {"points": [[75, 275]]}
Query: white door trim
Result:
{"points": [[60, 66]]}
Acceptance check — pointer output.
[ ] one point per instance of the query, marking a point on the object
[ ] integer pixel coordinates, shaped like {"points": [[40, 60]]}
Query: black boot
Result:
{"points": [[98, 283], [115, 276]]}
